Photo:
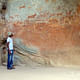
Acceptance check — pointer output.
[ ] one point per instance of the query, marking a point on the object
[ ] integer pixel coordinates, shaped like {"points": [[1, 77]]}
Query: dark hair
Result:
{"points": [[11, 35]]}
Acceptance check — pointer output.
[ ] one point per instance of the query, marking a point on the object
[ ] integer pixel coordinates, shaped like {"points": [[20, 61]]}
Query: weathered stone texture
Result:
{"points": [[46, 26]]}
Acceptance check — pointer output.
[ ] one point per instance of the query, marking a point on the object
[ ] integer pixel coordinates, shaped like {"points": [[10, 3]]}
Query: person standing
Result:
{"points": [[10, 50]]}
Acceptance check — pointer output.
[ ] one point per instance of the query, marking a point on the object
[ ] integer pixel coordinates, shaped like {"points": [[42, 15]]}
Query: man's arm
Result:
{"points": [[8, 47]]}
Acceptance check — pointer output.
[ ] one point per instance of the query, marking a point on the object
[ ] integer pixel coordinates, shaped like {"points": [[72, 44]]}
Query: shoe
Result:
{"points": [[13, 67], [9, 68]]}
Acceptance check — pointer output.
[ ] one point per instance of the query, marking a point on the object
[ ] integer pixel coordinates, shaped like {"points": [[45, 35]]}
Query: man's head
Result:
{"points": [[10, 34]]}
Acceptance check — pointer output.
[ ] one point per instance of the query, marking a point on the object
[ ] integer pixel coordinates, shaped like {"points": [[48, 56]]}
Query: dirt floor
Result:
{"points": [[39, 73]]}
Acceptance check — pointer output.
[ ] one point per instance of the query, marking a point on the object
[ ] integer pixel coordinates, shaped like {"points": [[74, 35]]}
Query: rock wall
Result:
{"points": [[48, 28], [45, 24]]}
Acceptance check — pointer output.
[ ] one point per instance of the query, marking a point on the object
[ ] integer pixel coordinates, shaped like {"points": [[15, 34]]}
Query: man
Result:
{"points": [[10, 51]]}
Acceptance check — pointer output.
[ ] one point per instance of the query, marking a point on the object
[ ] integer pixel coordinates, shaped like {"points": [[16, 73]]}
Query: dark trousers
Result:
{"points": [[10, 60]]}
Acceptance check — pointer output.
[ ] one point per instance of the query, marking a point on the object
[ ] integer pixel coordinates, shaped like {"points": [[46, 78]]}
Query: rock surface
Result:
{"points": [[47, 32]]}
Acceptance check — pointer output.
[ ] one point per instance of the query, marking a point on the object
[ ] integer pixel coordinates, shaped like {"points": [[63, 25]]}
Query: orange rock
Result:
{"points": [[32, 16], [23, 6]]}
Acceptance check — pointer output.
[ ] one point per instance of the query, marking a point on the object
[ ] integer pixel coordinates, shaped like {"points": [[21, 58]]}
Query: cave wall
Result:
{"points": [[45, 24], [48, 27]]}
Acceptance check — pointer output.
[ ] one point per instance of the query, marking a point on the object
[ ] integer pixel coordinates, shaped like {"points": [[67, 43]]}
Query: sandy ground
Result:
{"points": [[37, 73]]}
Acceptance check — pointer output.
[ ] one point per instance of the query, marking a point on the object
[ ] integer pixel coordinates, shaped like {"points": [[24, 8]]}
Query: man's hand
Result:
{"points": [[9, 52]]}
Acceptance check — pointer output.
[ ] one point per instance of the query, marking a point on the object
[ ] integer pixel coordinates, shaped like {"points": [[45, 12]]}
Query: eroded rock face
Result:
{"points": [[45, 24], [49, 29]]}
